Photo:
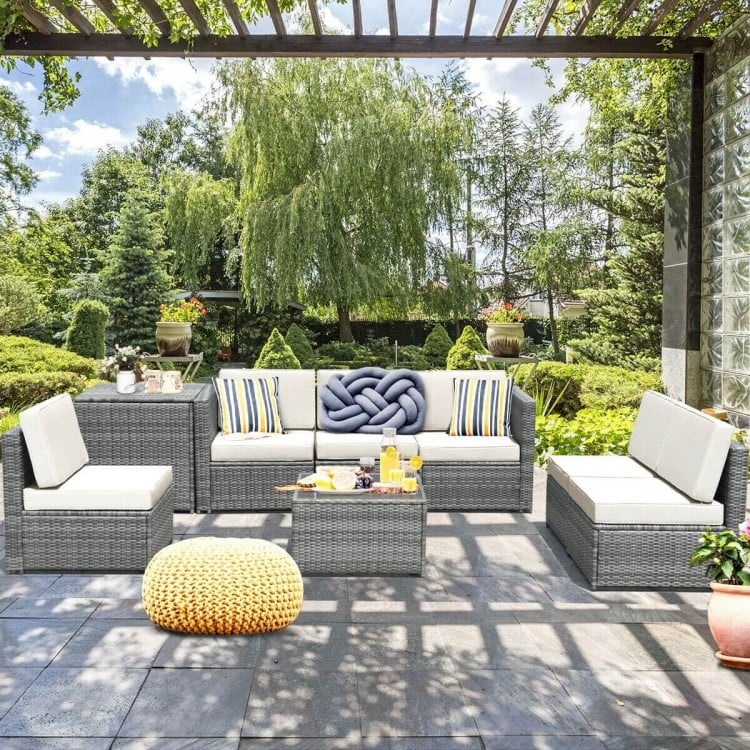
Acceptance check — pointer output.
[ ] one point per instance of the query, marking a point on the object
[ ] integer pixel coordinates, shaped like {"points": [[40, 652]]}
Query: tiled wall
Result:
{"points": [[725, 277]]}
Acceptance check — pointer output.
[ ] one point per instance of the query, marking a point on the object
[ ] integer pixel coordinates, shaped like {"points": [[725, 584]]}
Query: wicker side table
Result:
{"points": [[149, 428], [358, 534]]}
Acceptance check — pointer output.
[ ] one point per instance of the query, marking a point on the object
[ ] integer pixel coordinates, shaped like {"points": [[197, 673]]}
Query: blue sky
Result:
{"points": [[117, 96]]}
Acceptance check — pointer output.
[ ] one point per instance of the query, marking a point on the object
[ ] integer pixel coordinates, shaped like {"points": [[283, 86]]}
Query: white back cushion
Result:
{"points": [[438, 396], [54, 440], [651, 427], [296, 394], [694, 452]]}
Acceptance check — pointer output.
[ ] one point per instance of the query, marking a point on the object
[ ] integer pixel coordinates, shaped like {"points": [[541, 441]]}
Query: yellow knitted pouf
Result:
{"points": [[222, 586]]}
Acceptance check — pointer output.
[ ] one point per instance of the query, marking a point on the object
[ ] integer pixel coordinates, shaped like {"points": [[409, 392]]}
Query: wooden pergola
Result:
{"points": [[94, 28]]}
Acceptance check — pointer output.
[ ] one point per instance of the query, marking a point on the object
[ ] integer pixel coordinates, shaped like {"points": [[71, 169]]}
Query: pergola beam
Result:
{"points": [[278, 21], [38, 20], [108, 8], [627, 9], [237, 20], [433, 17], [469, 18], [315, 16], [331, 45], [662, 12], [74, 16], [357, 14], [392, 19], [195, 16], [156, 14], [692, 26], [546, 17], [587, 13], [504, 19]]}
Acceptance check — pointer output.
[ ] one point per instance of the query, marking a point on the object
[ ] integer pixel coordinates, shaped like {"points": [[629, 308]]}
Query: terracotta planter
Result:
{"points": [[504, 339], [729, 620], [173, 339]]}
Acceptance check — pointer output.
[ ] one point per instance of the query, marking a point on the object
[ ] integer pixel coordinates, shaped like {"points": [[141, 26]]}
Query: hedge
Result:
{"points": [[23, 355], [20, 389]]}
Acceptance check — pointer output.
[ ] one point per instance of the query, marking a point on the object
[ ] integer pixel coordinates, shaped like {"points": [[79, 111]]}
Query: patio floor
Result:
{"points": [[499, 645]]}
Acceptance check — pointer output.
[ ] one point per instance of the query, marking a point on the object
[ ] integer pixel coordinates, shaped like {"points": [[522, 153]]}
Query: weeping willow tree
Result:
{"points": [[344, 168]]}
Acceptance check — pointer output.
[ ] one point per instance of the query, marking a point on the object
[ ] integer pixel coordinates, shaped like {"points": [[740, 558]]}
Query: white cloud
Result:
{"points": [[19, 87], [189, 82], [46, 175], [84, 138], [43, 152]]}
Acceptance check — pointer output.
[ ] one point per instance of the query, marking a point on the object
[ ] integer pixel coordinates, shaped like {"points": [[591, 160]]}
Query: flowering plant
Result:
{"points": [[726, 554], [501, 312], [124, 358], [184, 311]]}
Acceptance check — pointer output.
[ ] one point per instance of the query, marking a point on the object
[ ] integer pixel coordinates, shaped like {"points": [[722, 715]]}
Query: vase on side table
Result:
{"points": [[504, 339], [173, 338], [126, 381]]}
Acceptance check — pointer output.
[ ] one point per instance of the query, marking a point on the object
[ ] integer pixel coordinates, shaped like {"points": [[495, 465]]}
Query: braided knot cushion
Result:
{"points": [[222, 586], [371, 398]]}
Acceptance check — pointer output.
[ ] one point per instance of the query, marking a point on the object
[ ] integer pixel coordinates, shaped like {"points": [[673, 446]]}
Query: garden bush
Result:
{"points": [[298, 342], [19, 390], [437, 345], [592, 386], [592, 432], [277, 354], [24, 355], [461, 355], [86, 333], [413, 358]]}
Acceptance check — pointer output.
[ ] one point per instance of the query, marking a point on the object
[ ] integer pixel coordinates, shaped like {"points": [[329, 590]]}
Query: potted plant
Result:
{"points": [[174, 329], [504, 328], [726, 556], [125, 365]]}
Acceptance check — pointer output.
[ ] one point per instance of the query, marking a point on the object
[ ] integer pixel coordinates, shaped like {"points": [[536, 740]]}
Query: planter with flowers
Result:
{"points": [[174, 330], [504, 328], [726, 556], [125, 366]]}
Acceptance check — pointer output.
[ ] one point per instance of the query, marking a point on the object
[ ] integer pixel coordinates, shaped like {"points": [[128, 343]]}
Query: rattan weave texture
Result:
{"points": [[222, 586]]}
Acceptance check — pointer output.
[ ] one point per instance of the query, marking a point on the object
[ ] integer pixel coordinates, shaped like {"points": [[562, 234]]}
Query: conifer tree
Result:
{"points": [[276, 353], [461, 355], [300, 345], [135, 274], [437, 345]]}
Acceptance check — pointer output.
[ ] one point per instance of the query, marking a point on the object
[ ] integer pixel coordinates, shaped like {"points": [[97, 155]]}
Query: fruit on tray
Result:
{"points": [[415, 462], [344, 480]]}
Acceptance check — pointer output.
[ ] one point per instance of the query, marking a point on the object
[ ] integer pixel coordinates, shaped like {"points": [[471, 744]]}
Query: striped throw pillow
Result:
{"points": [[248, 404], [481, 407]]}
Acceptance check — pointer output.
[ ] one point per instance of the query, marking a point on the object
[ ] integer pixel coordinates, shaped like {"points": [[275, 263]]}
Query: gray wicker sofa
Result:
{"points": [[461, 474], [633, 521]]}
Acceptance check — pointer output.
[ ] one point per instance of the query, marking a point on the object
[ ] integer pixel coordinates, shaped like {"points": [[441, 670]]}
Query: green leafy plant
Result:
{"points": [[87, 326], [437, 345], [461, 355], [725, 555], [31, 388], [277, 354], [300, 345], [24, 355], [20, 303], [124, 358], [185, 311], [548, 399]]}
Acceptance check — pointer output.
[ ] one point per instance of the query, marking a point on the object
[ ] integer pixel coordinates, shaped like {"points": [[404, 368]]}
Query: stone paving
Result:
{"points": [[500, 645]]}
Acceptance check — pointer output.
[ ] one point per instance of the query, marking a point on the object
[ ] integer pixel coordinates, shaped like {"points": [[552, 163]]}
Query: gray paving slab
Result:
{"points": [[542, 742], [17, 584], [68, 608], [33, 642], [190, 703], [175, 743], [422, 743], [13, 684], [70, 702], [676, 743], [56, 743], [119, 609], [301, 743], [514, 587], [208, 651], [292, 704], [96, 586]]}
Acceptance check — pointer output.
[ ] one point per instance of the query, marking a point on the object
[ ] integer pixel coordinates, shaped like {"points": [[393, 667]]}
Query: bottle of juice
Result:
{"points": [[389, 454]]}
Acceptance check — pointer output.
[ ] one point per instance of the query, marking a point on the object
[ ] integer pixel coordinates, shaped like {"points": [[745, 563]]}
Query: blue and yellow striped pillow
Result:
{"points": [[248, 404], [481, 407]]}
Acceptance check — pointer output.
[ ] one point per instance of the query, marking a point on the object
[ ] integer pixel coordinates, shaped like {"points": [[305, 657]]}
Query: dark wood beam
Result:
{"points": [[587, 13], [392, 19], [661, 13], [108, 8], [505, 14], [357, 11], [236, 16], [433, 17], [74, 16], [626, 10], [332, 45], [196, 17], [700, 18], [38, 20], [278, 21], [469, 18], [315, 16], [156, 14], [549, 10]]}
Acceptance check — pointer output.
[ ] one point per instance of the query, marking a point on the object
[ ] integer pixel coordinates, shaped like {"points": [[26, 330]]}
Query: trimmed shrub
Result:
{"points": [[277, 354], [20, 389], [437, 345], [412, 357], [24, 355], [587, 386], [298, 342], [461, 355], [86, 333]]}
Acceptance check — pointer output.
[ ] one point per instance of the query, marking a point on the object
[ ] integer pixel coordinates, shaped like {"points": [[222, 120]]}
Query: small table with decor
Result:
{"points": [[190, 362], [509, 364], [358, 532]]}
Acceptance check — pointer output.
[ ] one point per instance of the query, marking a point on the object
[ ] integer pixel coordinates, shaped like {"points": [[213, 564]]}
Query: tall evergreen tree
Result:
{"points": [[135, 274]]}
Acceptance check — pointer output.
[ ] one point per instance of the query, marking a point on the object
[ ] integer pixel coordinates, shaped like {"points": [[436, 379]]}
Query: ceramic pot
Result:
{"points": [[504, 339], [729, 620], [173, 339], [126, 381]]}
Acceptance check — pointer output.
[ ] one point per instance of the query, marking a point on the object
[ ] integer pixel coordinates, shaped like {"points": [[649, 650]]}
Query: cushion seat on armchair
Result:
{"points": [[351, 446], [562, 468], [292, 445], [440, 447]]}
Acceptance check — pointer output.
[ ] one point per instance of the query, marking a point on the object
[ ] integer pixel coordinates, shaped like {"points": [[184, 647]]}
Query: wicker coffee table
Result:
{"points": [[366, 534]]}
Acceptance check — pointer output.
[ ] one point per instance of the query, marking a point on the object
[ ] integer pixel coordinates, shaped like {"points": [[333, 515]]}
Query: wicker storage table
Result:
{"points": [[344, 534], [150, 428]]}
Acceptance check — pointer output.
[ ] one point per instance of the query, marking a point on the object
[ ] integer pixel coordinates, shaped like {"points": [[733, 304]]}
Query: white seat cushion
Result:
{"points": [[293, 445], [54, 440], [440, 447], [640, 501], [355, 445], [561, 468], [104, 488], [296, 394]]}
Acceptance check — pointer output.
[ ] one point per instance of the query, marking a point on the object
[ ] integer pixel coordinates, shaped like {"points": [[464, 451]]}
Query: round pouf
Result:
{"points": [[222, 586]]}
